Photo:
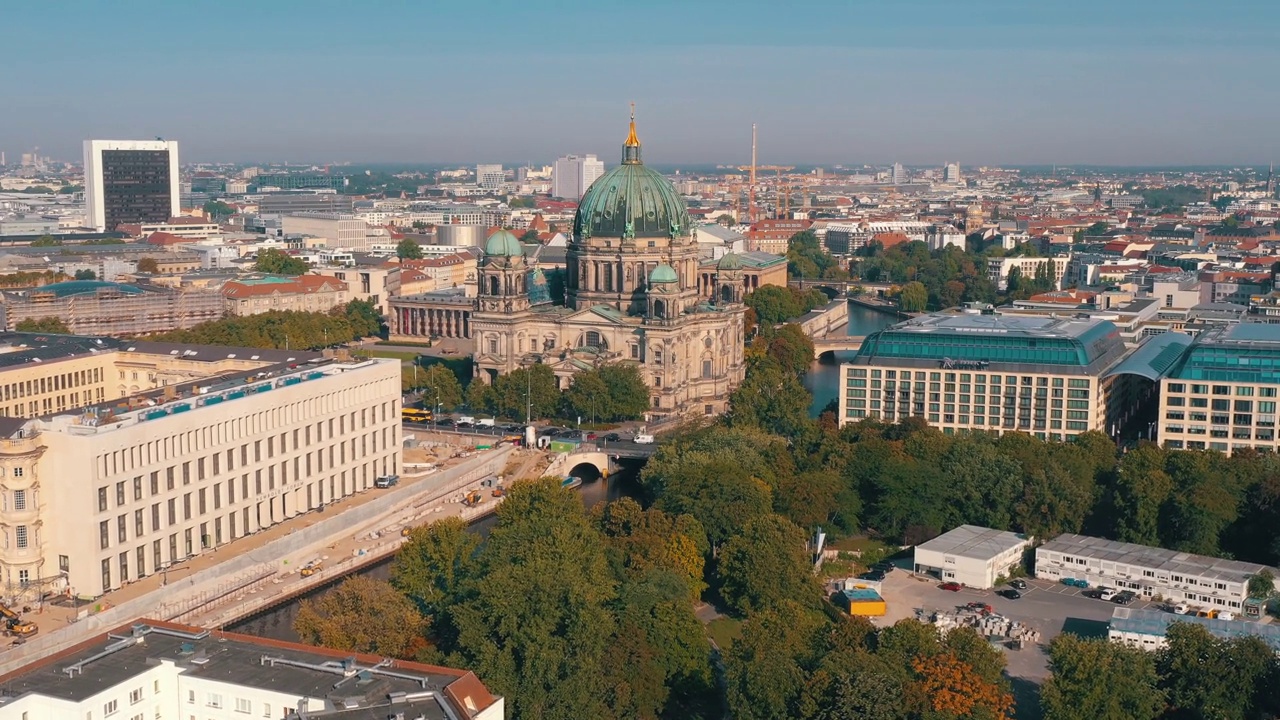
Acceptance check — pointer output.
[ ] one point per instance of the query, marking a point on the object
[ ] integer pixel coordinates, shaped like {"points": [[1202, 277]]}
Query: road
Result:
{"points": [[623, 446]]}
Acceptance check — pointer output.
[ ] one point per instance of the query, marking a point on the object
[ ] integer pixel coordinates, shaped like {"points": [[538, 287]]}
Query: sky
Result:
{"points": [[981, 82]]}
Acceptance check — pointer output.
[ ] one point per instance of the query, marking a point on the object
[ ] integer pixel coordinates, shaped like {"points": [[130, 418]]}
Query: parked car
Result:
{"points": [[1226, 615], [1018, 584], [873, 575], [980, 607], [445, 422], [485, 422], [1124, 598], [612, 437], [1106, 593], [951, 586], [884, 566], [1179, 609], [1010, 593]]}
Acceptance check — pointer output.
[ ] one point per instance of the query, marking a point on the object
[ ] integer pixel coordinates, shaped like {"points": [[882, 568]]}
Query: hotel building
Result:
{"points": [[130, 182], [1043, 375], [120, 458]]}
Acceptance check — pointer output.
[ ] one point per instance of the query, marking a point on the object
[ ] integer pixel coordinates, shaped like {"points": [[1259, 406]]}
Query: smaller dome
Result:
{"points": [[730, 261], [504, 244], [664, 273]]}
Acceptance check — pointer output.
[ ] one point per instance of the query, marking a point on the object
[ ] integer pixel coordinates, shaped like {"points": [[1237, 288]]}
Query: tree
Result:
{"points": [[86, 274], [218, 210], [364, 317], [1262, 585], [1208, 677], [773, 304], [609, 393], [1141, 487], [726, 220], [273, 329], [790, 347], [717, 490], [913, 297], [530, 237], [806, 257], [46, 241], [1097, 678], [766, 565], [437, 383], [148, 265], [953, 690], [535, 622], [55, 325], [433, 565], [480, 397], [533, 390], [278, 262], [770, 398], [766, 669], [408, 249], [361, 615]]}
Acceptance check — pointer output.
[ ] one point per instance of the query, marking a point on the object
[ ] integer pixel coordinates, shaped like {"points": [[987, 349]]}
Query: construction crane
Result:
{"points": [[778, 169]]}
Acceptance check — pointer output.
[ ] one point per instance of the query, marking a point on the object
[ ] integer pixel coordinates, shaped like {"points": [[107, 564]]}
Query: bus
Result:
{"points": [[415, 415]]}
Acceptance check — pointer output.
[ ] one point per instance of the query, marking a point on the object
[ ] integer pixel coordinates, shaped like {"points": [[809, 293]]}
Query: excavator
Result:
{"points": [[473, 498], [15, 625]]}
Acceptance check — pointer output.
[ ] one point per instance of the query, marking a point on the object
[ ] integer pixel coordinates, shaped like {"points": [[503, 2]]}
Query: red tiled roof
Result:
{"points": [[164, 238], [889, 239], [301, 285]]}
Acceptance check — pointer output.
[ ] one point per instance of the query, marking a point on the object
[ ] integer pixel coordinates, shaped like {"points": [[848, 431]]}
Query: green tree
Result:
{"points": [[530, 237], [437, 383], [726, 220], [1141, 487], [609, 393], [1097, 678], [46, 241], [770, 398], [1262, 585], [148, 265], [433, 566], [480, 397], [766, 669], [766, 565], [55, 325], [361, 615], [408, 249], [533, 390], [364, 318], [218, 210], [913, 297], [790, 347], [806, 258], [536, 624], [1208, 677], [86, 275], [773, 304], [716, 489], [278, 262]]}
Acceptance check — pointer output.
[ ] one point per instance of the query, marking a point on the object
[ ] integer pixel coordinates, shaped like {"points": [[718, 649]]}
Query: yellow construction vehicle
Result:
{"points": [[15, 625], [473, 498], [310, 569]]}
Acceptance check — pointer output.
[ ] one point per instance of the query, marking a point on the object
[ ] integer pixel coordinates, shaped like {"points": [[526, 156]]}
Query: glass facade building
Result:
{"points": [[1045, 376]]}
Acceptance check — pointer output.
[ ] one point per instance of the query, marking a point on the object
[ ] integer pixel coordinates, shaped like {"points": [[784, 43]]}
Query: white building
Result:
{"points": [[1197, 580], [154, 670], [941, 236], [338, 230], [181, 450], [951, 173], [1147, 629], [998, 269], [130, 181], [573, 174], [898, 174], [971, 555], [490, 177]]}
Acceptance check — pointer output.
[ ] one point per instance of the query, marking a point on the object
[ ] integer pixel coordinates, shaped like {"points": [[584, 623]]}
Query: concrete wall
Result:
{"points": [[246, 568]]}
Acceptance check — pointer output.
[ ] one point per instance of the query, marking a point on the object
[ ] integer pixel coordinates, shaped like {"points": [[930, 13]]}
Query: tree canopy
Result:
{"points": [[54, 325], [278, 262], [609, 393], [408, 249], [283, 328]]}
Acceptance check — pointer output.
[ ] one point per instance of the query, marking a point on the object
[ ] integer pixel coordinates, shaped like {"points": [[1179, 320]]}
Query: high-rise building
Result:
{"points": [[898, 174], [130, 181], [490, 177], [573, 174], [951, 173]]}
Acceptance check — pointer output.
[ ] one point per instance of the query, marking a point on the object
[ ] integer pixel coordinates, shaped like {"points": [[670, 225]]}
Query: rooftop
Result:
{"points": [[977, 543], [1084, 343], [1244, 352], [1152, 558], [1155, 357], [1155, 622], [352, 686]]}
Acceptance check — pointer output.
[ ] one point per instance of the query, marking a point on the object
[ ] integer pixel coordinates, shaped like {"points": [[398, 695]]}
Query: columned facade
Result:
{"points": [[443, 314]]}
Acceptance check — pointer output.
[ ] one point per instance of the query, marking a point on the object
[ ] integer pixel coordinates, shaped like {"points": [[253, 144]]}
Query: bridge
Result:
{"points": [[838, 343], [592, 460]]}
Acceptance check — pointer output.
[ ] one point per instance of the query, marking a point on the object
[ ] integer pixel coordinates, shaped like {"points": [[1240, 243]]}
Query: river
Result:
{"points": [[277, 623], [822, 378]]}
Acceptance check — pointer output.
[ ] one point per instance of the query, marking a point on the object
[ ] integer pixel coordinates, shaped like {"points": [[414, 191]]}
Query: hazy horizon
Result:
{"points": [[985, 83]]}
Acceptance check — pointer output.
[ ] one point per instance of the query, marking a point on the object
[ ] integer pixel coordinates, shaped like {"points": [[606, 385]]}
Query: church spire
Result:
{"points": [[631, 148]]}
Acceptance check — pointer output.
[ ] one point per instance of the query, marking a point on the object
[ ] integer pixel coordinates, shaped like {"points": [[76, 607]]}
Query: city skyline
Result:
{"points": [[990, 83]]}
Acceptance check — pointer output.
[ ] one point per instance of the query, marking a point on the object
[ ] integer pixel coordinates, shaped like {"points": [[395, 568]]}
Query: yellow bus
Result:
{"points": [[415, 415]]}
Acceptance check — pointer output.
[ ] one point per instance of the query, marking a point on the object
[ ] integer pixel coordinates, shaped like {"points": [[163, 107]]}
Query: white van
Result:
{"points": [[644, 439], [466, 421], [484, 422]]}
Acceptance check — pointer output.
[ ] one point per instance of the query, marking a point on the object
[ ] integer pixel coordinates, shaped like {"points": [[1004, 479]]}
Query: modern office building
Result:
{"points": [[573, 174], [130, 181], [300, 181], [1042, 375], [973, 556], [1197, 580], [97, 307], [281, 203], [121, 458], [338, 230], [1219, 391], [163, 671], [490, 177], [951, 173], [897, 174]]}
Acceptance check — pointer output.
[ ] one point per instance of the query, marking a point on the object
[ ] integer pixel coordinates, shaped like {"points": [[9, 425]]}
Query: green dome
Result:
{"points": [[504, 244], [631, 201], [664, 273], [730, 261]]}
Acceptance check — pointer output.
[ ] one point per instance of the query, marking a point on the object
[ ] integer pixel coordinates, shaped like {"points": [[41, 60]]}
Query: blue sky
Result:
{"points": [[918, 81]]}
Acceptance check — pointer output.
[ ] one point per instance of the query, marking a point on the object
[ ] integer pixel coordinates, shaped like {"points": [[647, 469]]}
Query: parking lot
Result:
{"points": [[1046, 606]]}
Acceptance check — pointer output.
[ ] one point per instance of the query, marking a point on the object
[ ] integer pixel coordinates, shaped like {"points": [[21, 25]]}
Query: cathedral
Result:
{"points": [[631, 295]]}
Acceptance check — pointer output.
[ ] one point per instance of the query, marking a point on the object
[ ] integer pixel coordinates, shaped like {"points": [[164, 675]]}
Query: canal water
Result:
{"points": [[277, 623], [823, 377]]}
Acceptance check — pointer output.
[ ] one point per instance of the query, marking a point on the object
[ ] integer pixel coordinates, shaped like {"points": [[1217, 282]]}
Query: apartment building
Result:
{"points": [[1198, 580], [338, 230], [154, 669], [998, 269], [163, 451], [1043, 375], [96, 307]]}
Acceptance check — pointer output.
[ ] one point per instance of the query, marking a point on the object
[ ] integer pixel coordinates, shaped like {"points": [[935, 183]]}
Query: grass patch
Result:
{"points": [[404, 344], [401, 356], [724, 631]]}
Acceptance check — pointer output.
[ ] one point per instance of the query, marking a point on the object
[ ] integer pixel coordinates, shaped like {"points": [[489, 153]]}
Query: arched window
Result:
{"points": [[494, 285]]}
